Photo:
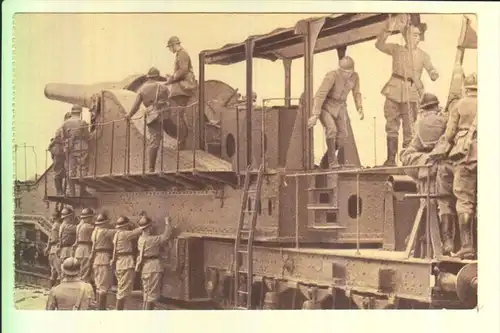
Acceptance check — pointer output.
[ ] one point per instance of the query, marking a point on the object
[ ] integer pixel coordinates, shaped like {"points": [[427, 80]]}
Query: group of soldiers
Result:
{"points": [[69, 147], [85, 255], [446, 140]]}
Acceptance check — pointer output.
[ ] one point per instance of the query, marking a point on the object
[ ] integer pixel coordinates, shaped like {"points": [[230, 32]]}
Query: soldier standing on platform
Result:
{"points": [[52, 250], [183, 83], [429, 129], [76, 134], [461, 134], [56, 148], [83, 243], [404, 88], [67, 233], [154, 95], [71, 293], [148, 262], [123, 257], [331, 108]]}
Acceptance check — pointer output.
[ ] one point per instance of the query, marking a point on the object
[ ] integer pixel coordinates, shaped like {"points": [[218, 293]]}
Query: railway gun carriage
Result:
{"points": [[257, 225]]}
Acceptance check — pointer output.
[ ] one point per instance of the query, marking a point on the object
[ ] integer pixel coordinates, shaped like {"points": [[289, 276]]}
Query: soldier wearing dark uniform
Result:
{"points": [[154, 96], [148, 261], [71, 293], [123, 257], [331, 108], [52, 250], [83, 243], [404, 88], [183, 83], [461, 133], [67, 233], [76, 135], [429, 128], [56, 148]]}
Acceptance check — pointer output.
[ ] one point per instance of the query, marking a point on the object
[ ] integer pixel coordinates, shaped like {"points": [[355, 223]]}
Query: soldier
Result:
{"points": [[83, 243], [72, 293], [404, 87], [149, 262], [429, 128], [154, 95], [183, 83], [52, 249], [461, 134], [56, 148], [330, 106], [123, 257], [67, 233], [76, 134]]}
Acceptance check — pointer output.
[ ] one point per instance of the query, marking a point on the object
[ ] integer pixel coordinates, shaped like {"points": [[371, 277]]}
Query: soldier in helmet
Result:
{"points": [[461, 134], [67, 233], [183, 85], [154, 96], [71, 293], [148, 261], [56, 148], [331, 108], [123, 257], [52, 249], [83, 243], [404, 88], [429, 130], [76, 134]]}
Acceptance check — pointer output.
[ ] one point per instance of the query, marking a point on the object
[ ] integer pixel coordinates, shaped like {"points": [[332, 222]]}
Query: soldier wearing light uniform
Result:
{"points": [[67, 233], [52, 250], [71, 293], [123, 257], [404, 88], [76, 134], [83, 243], [461, 133], [330, 107], [429, 129], [148, 261], [183, 85], [56, 148], [154, 96]]}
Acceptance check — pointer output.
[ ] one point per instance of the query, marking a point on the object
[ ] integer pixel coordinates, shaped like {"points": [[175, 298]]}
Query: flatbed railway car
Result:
{"points": [[257, 225]]}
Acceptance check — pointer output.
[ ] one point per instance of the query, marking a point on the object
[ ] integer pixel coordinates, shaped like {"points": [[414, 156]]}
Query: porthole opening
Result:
{"points": [[352, 206], [270, 207], [230, 145]]}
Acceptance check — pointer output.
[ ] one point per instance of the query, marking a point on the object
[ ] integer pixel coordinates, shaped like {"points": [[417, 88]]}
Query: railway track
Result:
{"points": [[35, 276]]}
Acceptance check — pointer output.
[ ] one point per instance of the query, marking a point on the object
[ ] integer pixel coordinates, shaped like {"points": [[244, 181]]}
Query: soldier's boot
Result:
{"points": [[150, 305], [447, 223], [120, 303], [392, 148], [153, 153], [59, 186], [102, 301], [466, 250], [330, 153], [341, 155]]}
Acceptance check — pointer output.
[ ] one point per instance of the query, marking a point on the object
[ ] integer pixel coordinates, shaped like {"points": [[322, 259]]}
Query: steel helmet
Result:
{"points": [[67, 115], [70, 267], [470, 82], [145, 222], [429, 100], [76, 109], [122, 221], [173, 40], [66, 212], [346, 63], [153, 72], [102, 219], [87, 212]]}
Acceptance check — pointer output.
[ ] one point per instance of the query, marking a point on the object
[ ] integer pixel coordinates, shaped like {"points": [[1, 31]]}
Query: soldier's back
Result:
{"points": [[75, 128], [430, 126], [148, 91], [66, 295], [467, 109]]}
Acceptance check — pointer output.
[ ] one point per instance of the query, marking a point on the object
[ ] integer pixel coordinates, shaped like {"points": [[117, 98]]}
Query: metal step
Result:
{"points": [[328, 227], [321, 207], [321, 189]]}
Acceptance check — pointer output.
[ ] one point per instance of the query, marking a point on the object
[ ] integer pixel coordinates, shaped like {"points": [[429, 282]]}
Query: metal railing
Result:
{"points": [[25, 147], [358, 171]]}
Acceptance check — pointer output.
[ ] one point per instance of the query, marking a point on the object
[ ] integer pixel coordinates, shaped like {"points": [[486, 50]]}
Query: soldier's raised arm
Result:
{"points": [[381, 43], [135, 106], [452, 125], [429, 67]]}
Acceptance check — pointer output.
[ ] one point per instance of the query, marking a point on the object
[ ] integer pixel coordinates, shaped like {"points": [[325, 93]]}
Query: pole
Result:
{"points": [[297, 212], [357, 213], [112, 147], [428, 213], [25, 164], [375, 141]]}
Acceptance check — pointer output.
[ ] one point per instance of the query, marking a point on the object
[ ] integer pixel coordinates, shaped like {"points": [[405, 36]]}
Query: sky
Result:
{"points": [[92, 48]]}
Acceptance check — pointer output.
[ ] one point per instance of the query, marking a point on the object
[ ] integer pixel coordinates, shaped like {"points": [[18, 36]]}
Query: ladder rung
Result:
{"points": [[240, 308], [243, 272], [242, 251], [322, 207], [242, 292], [328, 227], [252, 191]]}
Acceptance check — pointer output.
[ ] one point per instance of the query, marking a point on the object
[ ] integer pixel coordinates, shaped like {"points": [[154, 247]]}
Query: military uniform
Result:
{"points": [[102, 250], [67, 234], [462, 119], [149, 261], [71, 293], [123, 256], [429, 130], [183, 85], [154, 95], [56, 148], [83, 244], [76, 134], [331, 108], [52, 249], [404, 88]]}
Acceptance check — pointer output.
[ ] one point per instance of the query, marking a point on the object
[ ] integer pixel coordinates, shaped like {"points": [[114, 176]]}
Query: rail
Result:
{"points": [[358, 171]]}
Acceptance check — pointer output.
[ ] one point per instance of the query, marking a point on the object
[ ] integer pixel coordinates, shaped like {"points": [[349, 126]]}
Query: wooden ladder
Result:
{"points": [[246, 228]]}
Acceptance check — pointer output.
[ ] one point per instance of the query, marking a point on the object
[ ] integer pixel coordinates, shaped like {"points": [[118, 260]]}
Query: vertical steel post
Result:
{"points": [[287, 64], [249, 45], [96, 148], [428, 214], [201, 100], [112, 147], [297, 212], [144, 145]]}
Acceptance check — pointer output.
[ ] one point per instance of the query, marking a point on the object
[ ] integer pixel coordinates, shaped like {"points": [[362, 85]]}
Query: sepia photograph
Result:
{"points": [[246, 161]]}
